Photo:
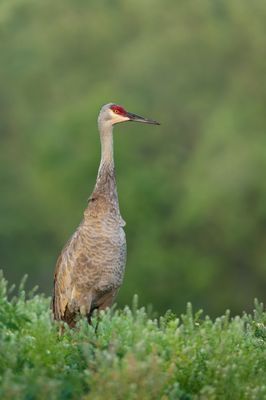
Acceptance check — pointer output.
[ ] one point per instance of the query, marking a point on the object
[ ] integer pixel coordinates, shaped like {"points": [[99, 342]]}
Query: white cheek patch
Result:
{"points": [[118, 118], [121, 118]]}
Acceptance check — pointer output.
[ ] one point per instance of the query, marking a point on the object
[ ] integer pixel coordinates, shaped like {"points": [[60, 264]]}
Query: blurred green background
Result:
{"points": [[193, 191]]}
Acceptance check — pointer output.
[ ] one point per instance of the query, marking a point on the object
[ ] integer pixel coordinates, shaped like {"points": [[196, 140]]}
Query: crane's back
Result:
{"points": [[90, 268]]}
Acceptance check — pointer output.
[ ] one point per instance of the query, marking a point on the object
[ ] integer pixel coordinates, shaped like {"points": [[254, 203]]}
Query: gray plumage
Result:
{"points": [[90, 268]]}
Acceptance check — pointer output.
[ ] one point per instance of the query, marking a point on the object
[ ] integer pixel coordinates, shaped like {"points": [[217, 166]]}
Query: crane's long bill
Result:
{"points": [[137, 118]]}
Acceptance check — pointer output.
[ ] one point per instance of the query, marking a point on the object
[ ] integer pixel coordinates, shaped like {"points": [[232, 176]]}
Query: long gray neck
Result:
{"points": [[106, 183], [107, 153]]}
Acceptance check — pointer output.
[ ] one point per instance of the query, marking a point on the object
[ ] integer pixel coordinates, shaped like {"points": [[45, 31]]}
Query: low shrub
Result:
{"points": [[130, 355]]}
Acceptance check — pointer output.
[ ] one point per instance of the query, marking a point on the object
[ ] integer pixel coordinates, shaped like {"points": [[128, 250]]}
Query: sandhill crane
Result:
{"points": [[90, 268]]}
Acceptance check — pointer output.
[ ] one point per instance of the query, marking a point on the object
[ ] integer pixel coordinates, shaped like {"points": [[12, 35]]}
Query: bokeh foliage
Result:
{"points": [[192, 192]]}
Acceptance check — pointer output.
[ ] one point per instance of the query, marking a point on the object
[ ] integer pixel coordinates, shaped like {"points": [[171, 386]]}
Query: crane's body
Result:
{"points": [[91, 266]]}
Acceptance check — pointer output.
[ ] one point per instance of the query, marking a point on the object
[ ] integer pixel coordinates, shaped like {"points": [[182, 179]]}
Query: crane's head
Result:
{"points": [[113, 114]]}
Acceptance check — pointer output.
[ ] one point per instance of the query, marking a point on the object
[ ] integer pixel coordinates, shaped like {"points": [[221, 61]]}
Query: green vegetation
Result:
{"points": [[132, 356], [192, 192]]}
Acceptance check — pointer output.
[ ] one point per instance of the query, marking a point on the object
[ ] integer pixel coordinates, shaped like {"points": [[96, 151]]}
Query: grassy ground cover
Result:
{"points": [[131, 356]]}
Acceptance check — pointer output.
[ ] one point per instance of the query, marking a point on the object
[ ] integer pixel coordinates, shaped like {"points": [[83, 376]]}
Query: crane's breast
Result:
{"points": [[98, 251], [107, 251]]}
